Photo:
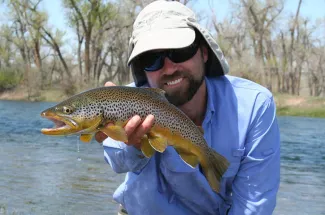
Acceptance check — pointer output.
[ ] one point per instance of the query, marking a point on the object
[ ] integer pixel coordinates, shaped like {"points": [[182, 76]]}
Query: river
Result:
{"points": [[58, 175]]}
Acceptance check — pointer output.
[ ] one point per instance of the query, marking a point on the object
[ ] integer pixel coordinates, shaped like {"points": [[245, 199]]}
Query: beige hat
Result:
{"points": [[170, 25]]}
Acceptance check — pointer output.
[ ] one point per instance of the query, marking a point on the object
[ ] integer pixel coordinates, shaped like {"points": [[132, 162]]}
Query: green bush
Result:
{"points": [[9, 79]]}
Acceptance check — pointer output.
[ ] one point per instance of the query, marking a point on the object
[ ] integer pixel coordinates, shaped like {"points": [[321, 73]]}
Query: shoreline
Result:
{"points": [[287, 105]]}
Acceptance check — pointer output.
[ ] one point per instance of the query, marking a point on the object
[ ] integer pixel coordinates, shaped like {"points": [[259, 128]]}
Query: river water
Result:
{"points": [[47, 175]]}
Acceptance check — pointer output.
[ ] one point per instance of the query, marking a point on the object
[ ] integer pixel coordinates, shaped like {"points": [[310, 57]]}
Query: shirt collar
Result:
{"points": [[210, 104]]}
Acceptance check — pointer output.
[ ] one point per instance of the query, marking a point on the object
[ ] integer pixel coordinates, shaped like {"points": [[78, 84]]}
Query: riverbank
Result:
{"points": [[307, 106], [287, 105], [21, 94]]}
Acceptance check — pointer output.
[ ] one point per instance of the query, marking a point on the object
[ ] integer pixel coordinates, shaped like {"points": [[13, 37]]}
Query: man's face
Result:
{"points": [[180, 81]]}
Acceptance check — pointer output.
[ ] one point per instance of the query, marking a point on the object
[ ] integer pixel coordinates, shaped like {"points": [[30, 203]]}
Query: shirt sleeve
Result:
{"points": [[256, 184], [123, 158]]}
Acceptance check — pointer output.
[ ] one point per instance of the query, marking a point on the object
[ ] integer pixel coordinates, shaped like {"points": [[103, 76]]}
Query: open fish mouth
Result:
{"points": [[62, 125]]}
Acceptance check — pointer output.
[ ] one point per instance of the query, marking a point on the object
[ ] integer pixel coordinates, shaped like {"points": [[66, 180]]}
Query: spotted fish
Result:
{"points": [[88, 112]]}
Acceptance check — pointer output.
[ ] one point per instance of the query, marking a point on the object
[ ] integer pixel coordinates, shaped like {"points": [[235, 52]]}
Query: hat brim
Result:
{"points": [[163, 39]]}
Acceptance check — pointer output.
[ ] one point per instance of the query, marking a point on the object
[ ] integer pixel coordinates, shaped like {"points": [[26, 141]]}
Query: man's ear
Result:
{"points": [[205, 53]]}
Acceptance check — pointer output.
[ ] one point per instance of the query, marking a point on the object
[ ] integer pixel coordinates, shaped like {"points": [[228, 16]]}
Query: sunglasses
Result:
{"points": [[153, 60]]}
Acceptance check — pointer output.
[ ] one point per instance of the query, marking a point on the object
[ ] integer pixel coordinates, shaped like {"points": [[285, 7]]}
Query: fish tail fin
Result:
{"points": [[214, 166]]}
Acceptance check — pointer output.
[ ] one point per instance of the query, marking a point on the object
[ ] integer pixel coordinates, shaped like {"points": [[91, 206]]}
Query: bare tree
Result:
{"points": [[53, 42], [6, 46], [261, 16], [80, 37], [284, 60], [21, 39], [292, 65]]}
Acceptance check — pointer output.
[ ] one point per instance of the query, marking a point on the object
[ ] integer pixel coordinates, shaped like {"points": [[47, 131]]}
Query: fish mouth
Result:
{"points": [[62, 125]]}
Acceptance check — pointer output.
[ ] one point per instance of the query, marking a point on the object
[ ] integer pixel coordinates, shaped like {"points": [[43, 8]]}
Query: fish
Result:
{"points": [[90, 111]]}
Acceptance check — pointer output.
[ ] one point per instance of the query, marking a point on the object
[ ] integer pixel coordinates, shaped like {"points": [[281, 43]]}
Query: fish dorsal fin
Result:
{"points": [[158, 90]]}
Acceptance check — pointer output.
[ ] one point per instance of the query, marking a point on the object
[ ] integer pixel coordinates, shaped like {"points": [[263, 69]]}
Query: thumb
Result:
{"points": [[109, 84]]}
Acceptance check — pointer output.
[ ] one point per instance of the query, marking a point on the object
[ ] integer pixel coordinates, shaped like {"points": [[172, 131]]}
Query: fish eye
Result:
{"points": [[67, 110]]}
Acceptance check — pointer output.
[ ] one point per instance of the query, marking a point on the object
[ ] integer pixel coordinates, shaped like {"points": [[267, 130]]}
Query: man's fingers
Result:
{"points": [[109, 84], [132, 124], [135, 129], [142, 129], [100, 137], [147, 124]]}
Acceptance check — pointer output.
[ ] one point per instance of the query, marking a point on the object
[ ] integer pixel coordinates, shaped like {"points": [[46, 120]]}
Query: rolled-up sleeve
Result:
{"points": [[123, 158], [257, 181]]}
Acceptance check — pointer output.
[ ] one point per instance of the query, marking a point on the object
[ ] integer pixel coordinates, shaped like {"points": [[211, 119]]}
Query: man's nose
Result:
{"points": [[169, 66]]}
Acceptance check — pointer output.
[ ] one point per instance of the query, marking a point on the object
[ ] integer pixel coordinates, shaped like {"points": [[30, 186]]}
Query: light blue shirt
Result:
{"points": [[240, 123]]}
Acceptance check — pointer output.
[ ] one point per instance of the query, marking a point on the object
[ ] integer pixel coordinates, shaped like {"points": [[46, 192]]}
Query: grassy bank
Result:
{"points": [[287, 105], [21, 94]]}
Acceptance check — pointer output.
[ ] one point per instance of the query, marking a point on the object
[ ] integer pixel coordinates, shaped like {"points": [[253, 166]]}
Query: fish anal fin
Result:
{"points": [[214, 166], [146, 148], [190, 159], [86, 138], [115, 132], [159, 143], [187, 150]]}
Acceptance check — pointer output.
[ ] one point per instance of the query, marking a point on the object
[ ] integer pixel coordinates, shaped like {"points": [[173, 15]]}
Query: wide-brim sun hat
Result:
{"points": [[170, 25]]}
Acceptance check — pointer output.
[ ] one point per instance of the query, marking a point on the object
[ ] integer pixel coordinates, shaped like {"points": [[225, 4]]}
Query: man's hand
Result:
{"points": [[135, 128]]}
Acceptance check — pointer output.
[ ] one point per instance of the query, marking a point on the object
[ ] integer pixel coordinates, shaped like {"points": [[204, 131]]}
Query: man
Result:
{"points": [[171, 51]]}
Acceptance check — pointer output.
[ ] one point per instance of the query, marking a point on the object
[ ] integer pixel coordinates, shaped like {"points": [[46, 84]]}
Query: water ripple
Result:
{"points": [[42, 175]]}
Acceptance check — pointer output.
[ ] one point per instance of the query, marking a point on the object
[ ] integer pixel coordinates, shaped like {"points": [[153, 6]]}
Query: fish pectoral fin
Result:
{"points": [[146, 148], [190, 159], [115, 132], [86, 138], [157, 142]]}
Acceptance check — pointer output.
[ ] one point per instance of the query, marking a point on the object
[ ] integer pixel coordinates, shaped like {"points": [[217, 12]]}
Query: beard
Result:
{"points": [[180, 97], [185, 93]]}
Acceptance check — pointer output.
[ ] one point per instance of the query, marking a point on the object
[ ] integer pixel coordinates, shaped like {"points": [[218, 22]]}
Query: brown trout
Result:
{"points": [[88, 112]]}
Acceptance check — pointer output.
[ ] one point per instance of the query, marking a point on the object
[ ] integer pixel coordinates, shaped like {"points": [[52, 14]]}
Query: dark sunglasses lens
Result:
{"points": [[184, 54], [152, 61]]}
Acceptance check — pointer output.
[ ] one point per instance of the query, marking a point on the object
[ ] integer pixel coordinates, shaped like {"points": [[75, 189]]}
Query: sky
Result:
{"points": [[313, 9]]}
